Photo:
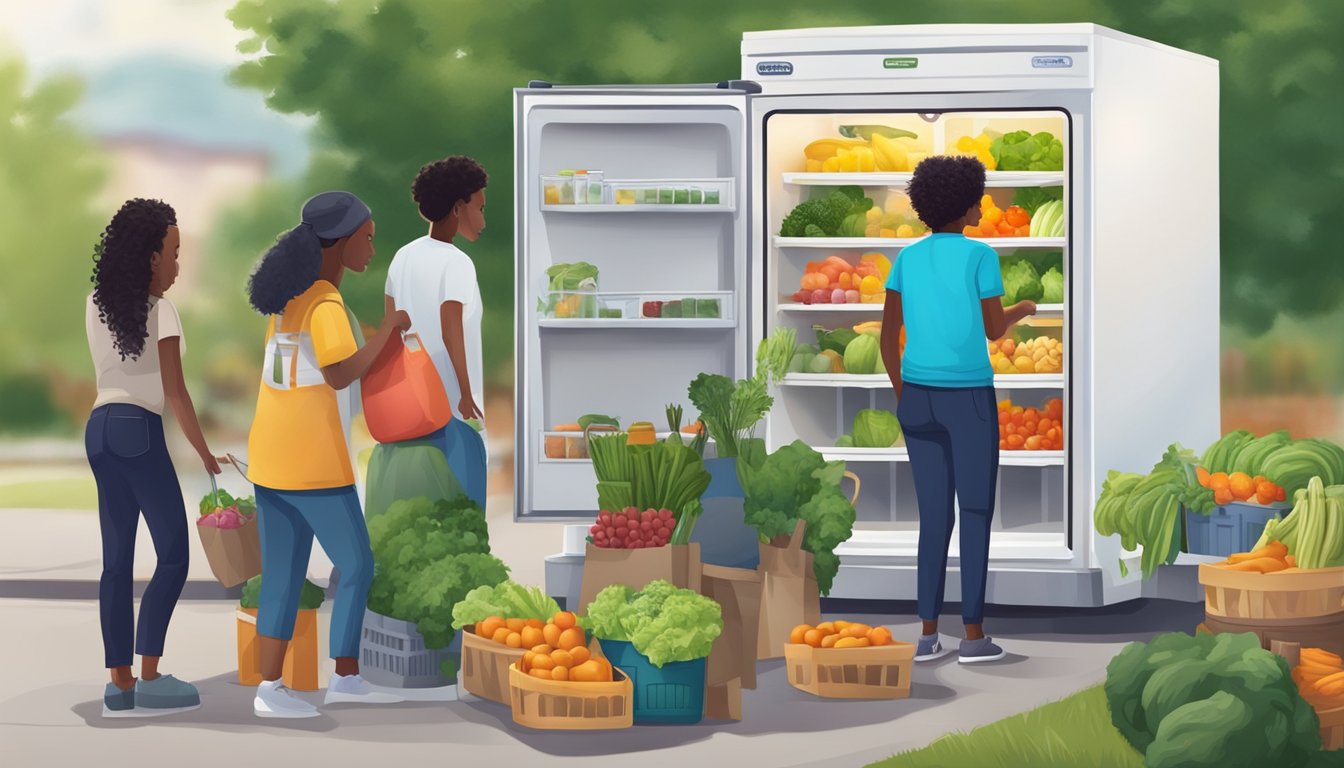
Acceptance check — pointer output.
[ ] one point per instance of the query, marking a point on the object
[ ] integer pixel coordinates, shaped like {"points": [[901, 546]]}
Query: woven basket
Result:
{"points": [[881, 672], [485, 666], [569, 706]]}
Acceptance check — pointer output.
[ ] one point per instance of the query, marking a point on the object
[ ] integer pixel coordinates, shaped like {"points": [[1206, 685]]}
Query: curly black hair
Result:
{"points": [[286, 270], [443, 183], [944, 188], [122, 270]]}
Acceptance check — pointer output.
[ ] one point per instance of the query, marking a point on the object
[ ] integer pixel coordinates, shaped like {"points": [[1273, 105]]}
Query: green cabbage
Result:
{"points": [[874, 428], [862, 354], [1021, 282], [1052, 287], [664, 623]]}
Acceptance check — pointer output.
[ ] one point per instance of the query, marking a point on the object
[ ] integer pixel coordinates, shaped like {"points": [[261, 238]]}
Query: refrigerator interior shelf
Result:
{"points": [[899, 453], [876, 179], [1042, 310], [574, 444], [880, 380], [636, 322], [641, 208], [868, 243]]}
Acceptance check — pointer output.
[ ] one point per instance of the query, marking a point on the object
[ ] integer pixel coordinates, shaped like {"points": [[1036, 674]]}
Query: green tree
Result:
{"points": [[50, 176]]}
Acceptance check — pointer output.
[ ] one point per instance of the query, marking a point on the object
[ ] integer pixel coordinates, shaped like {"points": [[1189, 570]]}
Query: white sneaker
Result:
{"points": [[353, 689], [275, 700]]}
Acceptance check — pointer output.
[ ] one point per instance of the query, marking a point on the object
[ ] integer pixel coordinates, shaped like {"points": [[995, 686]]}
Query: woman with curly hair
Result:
{"points": [[135, 340], [435, 282], [300, 460], [946, 291]]}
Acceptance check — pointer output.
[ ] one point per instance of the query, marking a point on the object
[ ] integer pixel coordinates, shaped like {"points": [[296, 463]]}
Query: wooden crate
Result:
{"points": [[881, 672], [1289, 594], [1332, 728], [485, 666], [567, 706]]}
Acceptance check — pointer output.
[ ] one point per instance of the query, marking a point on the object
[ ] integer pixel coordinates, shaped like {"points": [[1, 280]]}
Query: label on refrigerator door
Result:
{"points": [[900, 62], [774, 68], [1052, 62]]}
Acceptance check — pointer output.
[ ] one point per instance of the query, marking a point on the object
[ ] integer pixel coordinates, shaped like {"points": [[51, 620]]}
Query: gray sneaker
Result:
{"points": [[118, 703], [979, 651], [164, 695], [929, 648]]}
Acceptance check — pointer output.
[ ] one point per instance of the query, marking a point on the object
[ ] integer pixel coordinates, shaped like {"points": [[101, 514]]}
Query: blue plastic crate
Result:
{"points": [[1229, 528], [673, 695]]}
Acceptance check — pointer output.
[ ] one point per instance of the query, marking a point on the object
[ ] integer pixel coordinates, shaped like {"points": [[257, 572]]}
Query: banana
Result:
{"points": [[867, 132], [890, 155], [823, 149]]}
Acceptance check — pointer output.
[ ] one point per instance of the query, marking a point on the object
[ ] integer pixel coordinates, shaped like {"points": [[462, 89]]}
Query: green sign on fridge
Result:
{"points": [[900, 62]]}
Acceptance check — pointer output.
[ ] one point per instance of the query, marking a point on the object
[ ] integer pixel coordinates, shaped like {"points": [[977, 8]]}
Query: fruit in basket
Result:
{"points": [[840, 634], [1031, 429], [1240, 486]]}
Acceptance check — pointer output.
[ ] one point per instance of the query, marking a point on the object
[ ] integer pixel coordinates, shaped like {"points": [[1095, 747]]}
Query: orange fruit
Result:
{"points": [[829, 641], [1218, 480], [1015, 442], [531, 637], [970, 231], [1222, 496], [826, 627], [879, 636], [562, 658], [515, 625], [488, 627], [559, 673], [1241, 486], [544, 674], [1017, 215], [551, 634], [542, 650], [1280, 494], [813, 637], [1033, 443], [796, 636], [571, 638], [578, 655], [535, 623], [564, 620], [1203, 475], [514, 640], [501, 635], [543, 662]]}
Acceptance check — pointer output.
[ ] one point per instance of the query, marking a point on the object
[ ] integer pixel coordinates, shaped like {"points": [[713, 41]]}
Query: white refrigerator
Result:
{"points": [[693, 272]]}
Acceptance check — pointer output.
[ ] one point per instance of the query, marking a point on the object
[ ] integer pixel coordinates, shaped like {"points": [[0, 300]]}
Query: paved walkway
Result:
{"points": [[50, 708]]}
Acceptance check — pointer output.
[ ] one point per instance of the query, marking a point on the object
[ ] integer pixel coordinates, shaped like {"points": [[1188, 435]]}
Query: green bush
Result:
{"points": [[1210, 700], [27, 406]]}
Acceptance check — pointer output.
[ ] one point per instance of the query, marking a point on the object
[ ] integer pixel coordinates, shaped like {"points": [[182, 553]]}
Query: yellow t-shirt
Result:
{"points": [[297, 441]]}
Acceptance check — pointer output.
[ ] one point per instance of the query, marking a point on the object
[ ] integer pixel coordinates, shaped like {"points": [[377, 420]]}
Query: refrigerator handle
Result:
{"points": [[538, 84], [746, 86]]}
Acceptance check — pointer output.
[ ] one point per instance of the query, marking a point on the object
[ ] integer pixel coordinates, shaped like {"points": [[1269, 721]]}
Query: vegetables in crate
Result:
{"points": [[1313, 531], [507, 599], [1289, 463], [565, 285], [1209, 700], [1267, 559], [1320, 678], [663, 622], [840, 634]]}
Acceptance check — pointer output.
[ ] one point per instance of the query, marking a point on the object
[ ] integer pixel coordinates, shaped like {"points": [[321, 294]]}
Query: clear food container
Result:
{"points": [[596, 192], [709, 305], [571, 305], [550, 189], [581, 187], [566, 187]]}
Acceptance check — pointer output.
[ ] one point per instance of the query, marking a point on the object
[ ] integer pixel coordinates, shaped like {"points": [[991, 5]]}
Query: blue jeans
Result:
{"points": [[289, 520], [465, 450], [953, 439], [135, 476]]}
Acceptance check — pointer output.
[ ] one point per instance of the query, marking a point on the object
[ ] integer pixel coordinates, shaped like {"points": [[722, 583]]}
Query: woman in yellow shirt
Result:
{"points": [[299, 460]]}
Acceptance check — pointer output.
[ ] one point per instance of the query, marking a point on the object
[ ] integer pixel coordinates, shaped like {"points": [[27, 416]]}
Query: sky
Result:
{"points": [[153, 66]]}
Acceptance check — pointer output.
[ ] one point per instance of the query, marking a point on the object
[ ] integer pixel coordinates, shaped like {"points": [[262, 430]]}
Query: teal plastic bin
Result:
{"points": [[673, 695]]}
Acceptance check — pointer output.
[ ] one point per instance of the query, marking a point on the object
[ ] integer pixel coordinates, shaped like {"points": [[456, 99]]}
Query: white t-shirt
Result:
{"points": [[423, 275], [134, 381]]}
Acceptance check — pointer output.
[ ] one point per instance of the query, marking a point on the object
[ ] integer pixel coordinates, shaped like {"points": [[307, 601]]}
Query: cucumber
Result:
{"points": [[866, 132]]}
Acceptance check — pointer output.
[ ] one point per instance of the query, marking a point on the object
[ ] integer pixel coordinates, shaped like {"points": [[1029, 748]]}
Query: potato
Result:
{"points": [[501, 635], [551, 634], [855, 630], [515, 625], [531, 637], [571, 638]]}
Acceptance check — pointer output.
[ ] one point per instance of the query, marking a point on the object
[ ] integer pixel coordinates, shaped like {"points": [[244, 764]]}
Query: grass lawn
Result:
{"points": [[55, 493], [1073, 732]]}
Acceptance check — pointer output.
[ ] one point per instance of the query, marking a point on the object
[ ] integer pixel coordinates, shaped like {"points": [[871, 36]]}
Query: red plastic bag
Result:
{"points": [[402, 393]]}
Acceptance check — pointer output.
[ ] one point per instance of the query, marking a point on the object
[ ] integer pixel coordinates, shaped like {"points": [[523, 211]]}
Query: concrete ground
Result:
{"points": [[50, 709]]}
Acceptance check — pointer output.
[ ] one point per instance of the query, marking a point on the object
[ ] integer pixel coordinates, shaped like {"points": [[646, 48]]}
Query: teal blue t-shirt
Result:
{"points": [[942, 279]]}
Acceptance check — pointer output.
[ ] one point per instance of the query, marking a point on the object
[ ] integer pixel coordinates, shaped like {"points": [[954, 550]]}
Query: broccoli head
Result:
{"points": [[819, 212]]}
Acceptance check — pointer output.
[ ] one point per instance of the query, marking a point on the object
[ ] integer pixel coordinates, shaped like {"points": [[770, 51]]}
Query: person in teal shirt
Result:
{"points": [[945, 290]]}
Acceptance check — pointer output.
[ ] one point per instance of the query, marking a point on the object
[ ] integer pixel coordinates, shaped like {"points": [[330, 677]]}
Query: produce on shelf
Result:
{"points": [[1043, 354], [840, 634], [428, 556], [220, 510], [1320, 678], [1208, 701], [836, 281], [664, 623], [682, 308], [794, 483], [834, 355], [864, 148], [1145, 509], [839, 213], [1240, 486], [862, 355], [1025, 151], [1313, 531], [876, 428], [867, 132], [979, 148], [506, 601], [1031, 429], [894, 219], [573, 446], [1048, 221], [1032, 198], [1021, 282], [1014, 222], [1052, 287], [557, 650], [567, 285], [1290, 463]]}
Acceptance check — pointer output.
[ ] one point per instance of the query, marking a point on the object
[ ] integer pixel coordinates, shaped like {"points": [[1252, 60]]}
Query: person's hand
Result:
{"points": [[396, 320], [1028, 306], [212, 462], [466, 409]]}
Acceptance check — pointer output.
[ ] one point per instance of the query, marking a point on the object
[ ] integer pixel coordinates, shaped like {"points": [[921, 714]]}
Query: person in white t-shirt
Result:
{"points": [[136, 344], [435, 283]]}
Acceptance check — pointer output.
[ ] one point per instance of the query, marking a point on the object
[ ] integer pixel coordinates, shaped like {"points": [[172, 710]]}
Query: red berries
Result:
{"points": [[633, 529]]}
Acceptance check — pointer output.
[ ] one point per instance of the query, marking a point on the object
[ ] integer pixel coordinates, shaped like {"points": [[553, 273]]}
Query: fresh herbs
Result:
{"points": [[730, 412]]}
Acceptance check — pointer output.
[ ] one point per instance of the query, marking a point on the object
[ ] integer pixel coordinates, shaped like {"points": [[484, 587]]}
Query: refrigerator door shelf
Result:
{"points": [[898, 453], [683, 309], [571, 448], [1046, 310], [869, 243], [998, 179], [660, 195], [882, 381]]}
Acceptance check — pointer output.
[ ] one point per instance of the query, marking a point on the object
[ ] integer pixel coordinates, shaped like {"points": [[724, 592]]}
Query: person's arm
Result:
{"points": [[998, 321], [175, 392], [342, 374], [450, 316], [893, 318]]}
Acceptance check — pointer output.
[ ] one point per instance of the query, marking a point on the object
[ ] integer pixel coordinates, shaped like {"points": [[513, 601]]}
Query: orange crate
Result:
{"points": [[876, 672], [485, 666], [567, 706]]}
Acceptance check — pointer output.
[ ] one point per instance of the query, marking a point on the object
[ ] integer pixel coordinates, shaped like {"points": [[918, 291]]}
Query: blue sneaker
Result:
{"points": [[979, 651], [929, 648], [165, 695], [118, 703]]}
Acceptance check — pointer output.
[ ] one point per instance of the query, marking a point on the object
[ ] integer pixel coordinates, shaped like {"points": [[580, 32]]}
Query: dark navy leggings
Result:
{"points": [[130, 463], [953, 439]]}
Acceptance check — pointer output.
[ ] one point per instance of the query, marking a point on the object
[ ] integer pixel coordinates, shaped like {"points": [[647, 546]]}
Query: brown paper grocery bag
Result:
{"points": [[234, 553], [635, 568], [738, 593], [789, 594]]}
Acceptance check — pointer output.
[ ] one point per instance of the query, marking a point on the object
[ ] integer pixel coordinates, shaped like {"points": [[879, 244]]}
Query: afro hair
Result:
{"points": [[122, 271], [442, 184], [944, 188]]}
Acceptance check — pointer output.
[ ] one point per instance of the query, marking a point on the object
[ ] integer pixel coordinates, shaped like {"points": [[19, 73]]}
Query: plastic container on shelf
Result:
{"points": [[572, 305], [550, 189], [596, 192], [580, 187], [672, 694], [566, 185]]}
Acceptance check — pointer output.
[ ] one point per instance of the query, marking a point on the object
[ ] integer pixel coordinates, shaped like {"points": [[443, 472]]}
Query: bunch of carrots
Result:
{"points": [[1320, 678], [1267, 559]]}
